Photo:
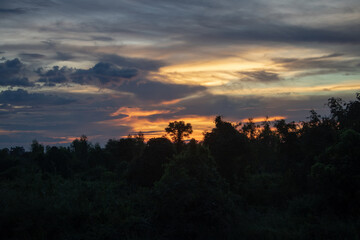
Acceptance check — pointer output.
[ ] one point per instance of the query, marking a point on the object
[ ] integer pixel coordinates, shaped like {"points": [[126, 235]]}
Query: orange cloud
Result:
{"points": [[156, 128], [62, 140], [8, 132], [262, 119], [137, 112], [170, 102]]}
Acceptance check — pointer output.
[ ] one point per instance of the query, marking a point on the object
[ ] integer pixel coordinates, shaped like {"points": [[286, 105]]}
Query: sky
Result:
{"points": [[111, 68]]}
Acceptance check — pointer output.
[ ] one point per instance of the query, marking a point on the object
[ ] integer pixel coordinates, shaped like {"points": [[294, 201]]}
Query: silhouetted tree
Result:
{"points": [[229, 147], [149, 167], [58, 161], [303, 176], [266, 148], [316, 136], [37, 151], [191, 199], [337, 109], [96, 156], [352, 119], [250, 129], [337, 174], [177, 131], [80, 148], [125, 149]]}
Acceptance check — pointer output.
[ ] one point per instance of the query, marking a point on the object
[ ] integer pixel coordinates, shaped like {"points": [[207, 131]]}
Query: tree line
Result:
{"points": [[274, 180]]}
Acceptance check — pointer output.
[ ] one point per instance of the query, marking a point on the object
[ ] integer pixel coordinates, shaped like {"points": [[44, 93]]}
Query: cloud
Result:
{"points": [[128, 79], [124, 74], [103, 73], [11, 74], [211, 105], [137, 112], [157, 91], [31, 55], [331, 63], [155, 127], [121, 78], [10, 68], [164, 34], [12, 11], [59, 121], [259, 76], [211, 23], [54, 75], [23, 97], [22, 82], [139, 63], [102, 38], [63, 56]]}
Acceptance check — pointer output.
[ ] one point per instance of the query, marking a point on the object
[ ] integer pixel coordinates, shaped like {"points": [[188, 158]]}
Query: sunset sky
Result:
{"points": [[111, 68]]}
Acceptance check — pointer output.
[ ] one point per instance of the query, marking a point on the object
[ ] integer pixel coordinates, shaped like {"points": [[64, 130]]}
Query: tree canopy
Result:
{"points": [[177, 131], [269, 180]]}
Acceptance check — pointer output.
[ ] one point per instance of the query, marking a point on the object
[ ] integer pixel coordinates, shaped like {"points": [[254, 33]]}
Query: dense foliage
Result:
{"points": [[280, 180]]}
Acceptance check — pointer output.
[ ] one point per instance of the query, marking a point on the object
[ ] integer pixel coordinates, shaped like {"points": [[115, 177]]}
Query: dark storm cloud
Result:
{"points": [[10, 68], [11, 74], [140, 63], [21, 96], [17, 81], [103, 73], [54, 75], [259, 76], [117, 72]]}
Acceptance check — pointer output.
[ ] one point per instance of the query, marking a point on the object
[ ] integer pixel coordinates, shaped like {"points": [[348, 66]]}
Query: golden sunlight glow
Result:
{"points": [[156, 128], [228, 64], [262, 119], [137, 112], [210, 73], [170, 102], [221, 70], [270, 91], [62, 140]]}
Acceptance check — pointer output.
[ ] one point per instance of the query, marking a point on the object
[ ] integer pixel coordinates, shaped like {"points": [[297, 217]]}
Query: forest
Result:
{"points": [[274, 180]]}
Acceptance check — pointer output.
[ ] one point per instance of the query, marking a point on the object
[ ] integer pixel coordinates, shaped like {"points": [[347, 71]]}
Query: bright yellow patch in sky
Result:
{"points": [[228, 64], [156, 128], [138, 120], [137, 112], [288, 89], [207, 73]]}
